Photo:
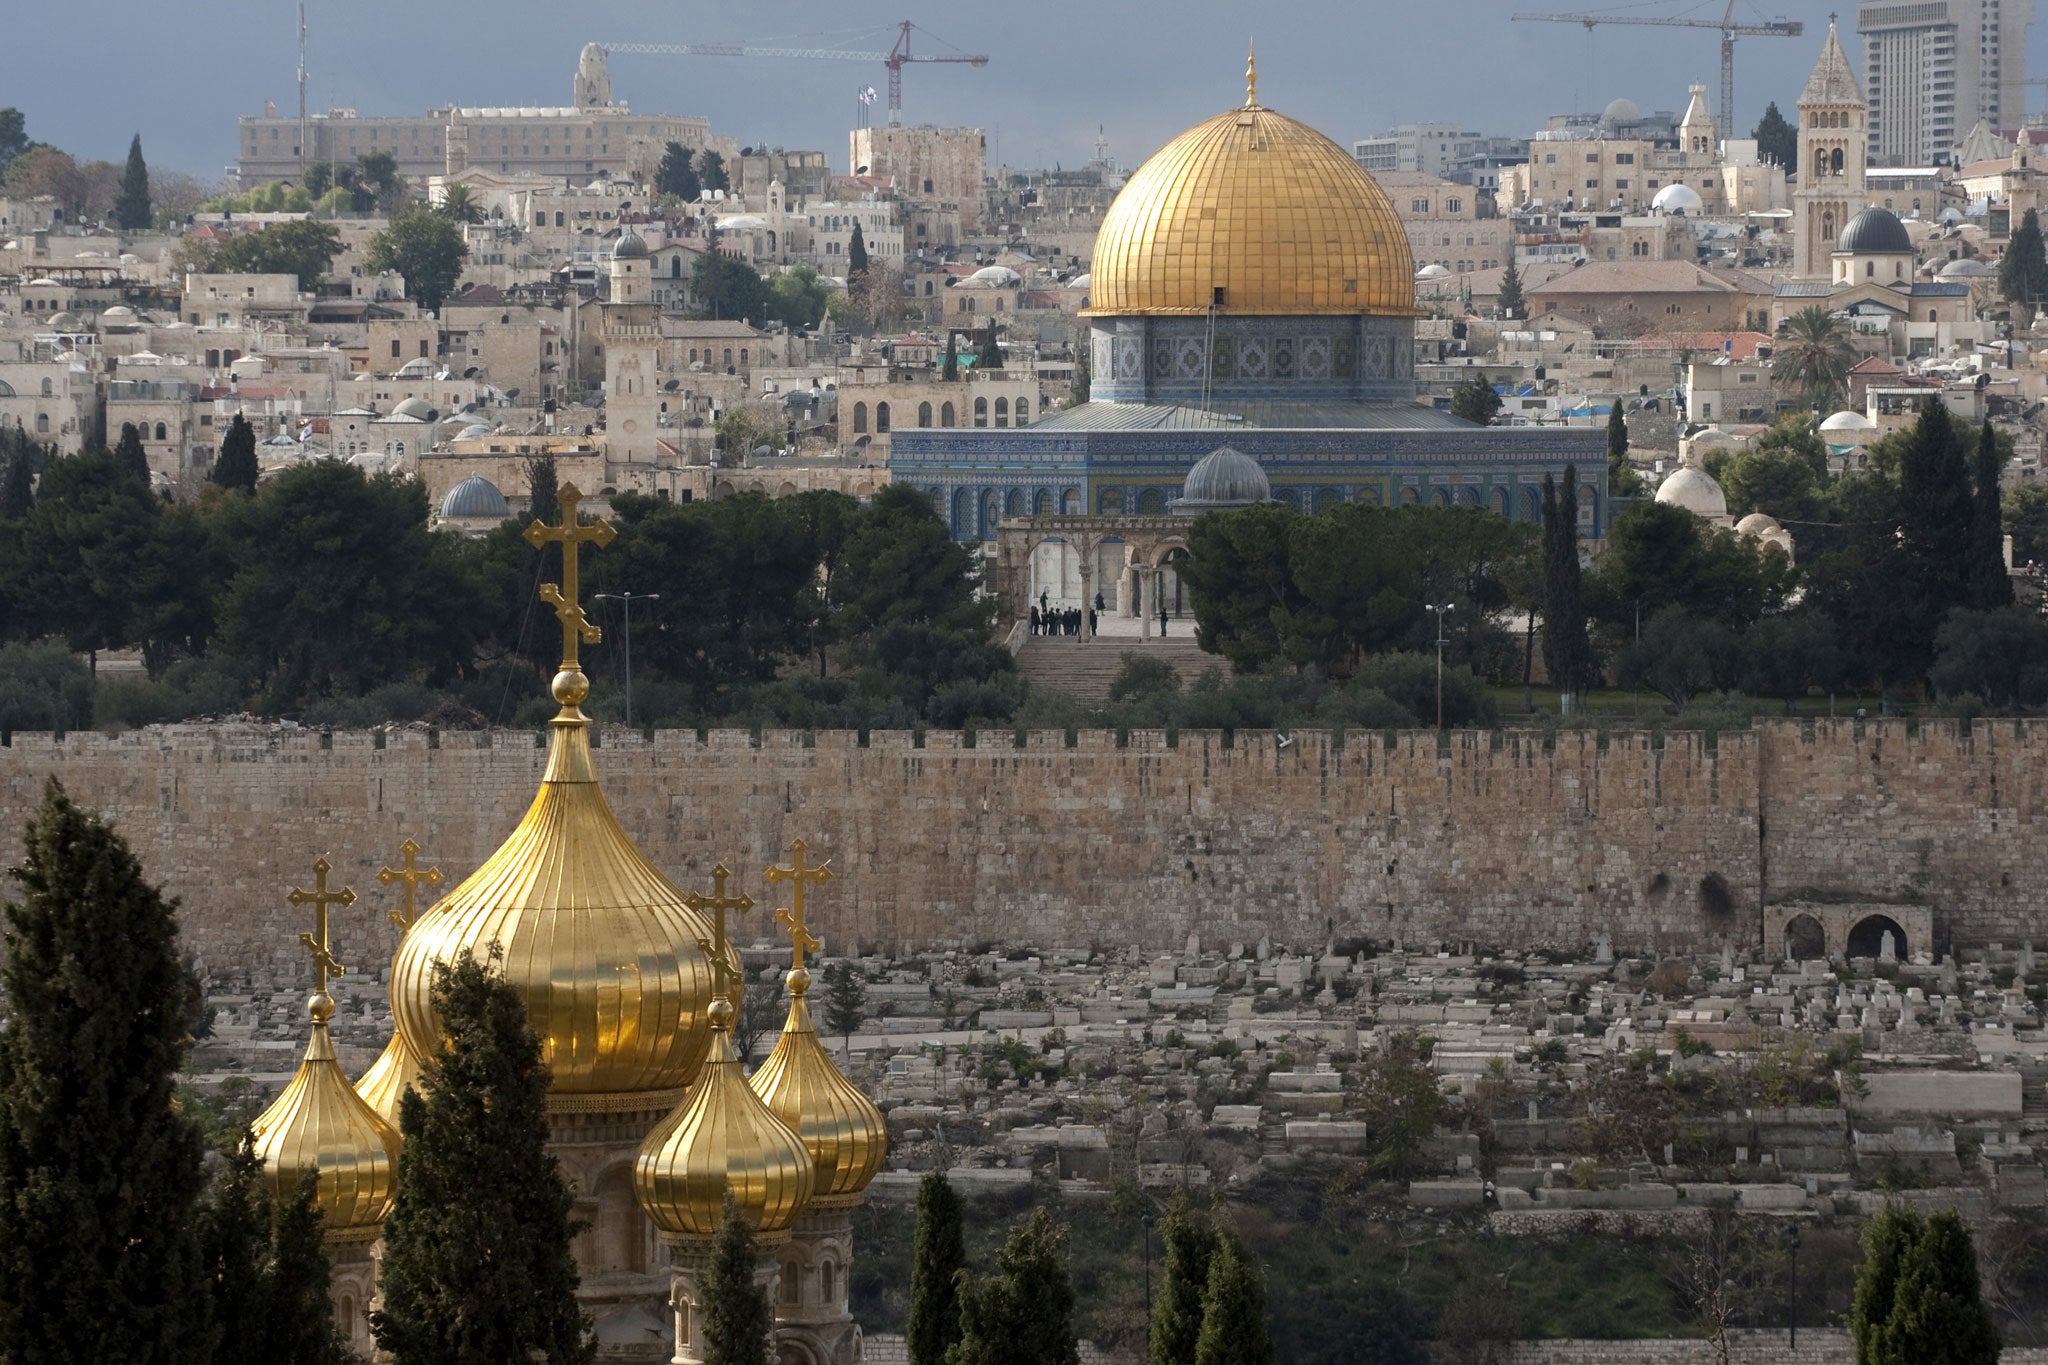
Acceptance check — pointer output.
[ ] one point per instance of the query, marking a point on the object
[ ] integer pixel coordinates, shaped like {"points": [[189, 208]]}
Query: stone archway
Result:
{"points": [[1805, 938], [1866, 937]]}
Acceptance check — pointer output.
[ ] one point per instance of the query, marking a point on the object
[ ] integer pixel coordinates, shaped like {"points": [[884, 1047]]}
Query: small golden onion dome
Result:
{"points": [[601, 947], [385, 1083], [1279, 218], [839, 1125], [320, 1124], [722, 1138]]}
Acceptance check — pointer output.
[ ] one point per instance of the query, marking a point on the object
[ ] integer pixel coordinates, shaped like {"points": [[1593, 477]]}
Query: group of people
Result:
{"points": [[1046, 620]]}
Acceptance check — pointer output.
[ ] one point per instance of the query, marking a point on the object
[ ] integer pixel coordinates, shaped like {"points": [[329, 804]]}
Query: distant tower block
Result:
{"points": [[593, 78]]}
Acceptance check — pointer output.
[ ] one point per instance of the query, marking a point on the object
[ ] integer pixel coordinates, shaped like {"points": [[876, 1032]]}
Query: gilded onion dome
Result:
{"points": [[839, 1126], [320, 1124], [602, 948], [723, 1139], [1251, 212], [397, 1067]]}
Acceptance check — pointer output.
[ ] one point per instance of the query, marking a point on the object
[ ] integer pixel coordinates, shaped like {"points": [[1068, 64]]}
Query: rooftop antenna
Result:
{"points": [[302, 89]]}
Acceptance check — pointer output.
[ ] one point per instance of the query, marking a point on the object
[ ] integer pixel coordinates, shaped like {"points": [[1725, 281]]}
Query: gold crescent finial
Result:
{"points": [[1251, 77]]}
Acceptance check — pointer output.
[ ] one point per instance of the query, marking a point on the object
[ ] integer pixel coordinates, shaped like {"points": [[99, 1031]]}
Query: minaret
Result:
{"points": [[456, 157], [632, 347], [847, 1139], [722, 1141], [319, 1126], [593, 78], [1833, 151]]}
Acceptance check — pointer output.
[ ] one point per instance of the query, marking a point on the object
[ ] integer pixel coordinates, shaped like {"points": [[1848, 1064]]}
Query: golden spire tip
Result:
{"points": [[1251, 76]]}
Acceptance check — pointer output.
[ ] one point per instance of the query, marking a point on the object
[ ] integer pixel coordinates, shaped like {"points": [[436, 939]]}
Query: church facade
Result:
{"points": [[1251, 286]]}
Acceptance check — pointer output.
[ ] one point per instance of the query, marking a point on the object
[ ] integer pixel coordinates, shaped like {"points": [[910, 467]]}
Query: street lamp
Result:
{"points": [[1145, 1217], [1440, 610], [1792, 1305], [628, 598]]}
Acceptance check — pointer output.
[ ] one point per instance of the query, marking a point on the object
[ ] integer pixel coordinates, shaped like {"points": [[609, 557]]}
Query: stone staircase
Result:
{"points": [[1084, 669]]}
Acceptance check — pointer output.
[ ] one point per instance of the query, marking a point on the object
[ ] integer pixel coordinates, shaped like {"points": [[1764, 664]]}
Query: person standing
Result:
{"points": [[1162, 620], [1034, 618]]}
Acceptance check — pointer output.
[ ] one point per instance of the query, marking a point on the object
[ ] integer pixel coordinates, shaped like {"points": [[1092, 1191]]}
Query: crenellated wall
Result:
{"points": [[1500, 837]]}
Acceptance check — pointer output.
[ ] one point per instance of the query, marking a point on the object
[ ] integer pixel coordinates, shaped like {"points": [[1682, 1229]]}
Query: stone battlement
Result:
{"points": [[1499, 836]]}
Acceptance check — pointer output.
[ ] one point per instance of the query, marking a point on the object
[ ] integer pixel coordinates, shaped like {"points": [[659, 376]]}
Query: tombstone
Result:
{"points": [[1888, 949], [1265, 948], [1236, 952], [1532, 1111], [1603, 949], [1727, 959], [2027, 958], [1163, 971]]}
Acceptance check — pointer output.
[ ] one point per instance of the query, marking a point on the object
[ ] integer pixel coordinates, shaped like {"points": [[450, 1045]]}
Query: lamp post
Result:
{"points": [[1440, 610], [1145, 1217], [1792, 1304], [628, 598]]}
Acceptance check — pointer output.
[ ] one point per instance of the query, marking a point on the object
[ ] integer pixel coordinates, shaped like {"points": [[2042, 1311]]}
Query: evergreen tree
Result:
{"points": [[735, 1310], [1918, 1296], [99, 1172], [938, 1256], [234, 1245], [1190, 1243], [1567, 650], [1934, 532], [676, 175], [1622, 479], [17, 481], [1511, 302], [1777, 140], [131, 210], [129, 452], [1233, 1309], [427, 248], [236, 467], [2023, 270], [950, 371], [856, 254], [846, 998], [1024, 1313], [1887, 1237], [541, 482], [301, 1326], [990, 354], [1990, 585], [1475, 401], [477, 1268], [711, 170]]}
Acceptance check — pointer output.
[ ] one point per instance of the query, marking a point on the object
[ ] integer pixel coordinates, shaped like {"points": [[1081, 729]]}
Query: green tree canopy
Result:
{"points": [[425, 247], [1234, 1328], [1919, 1300], [1776, 140], [83, 548], [237, 468], [938, 1258], [1188, 1241], [711, 170], [1023, 1314], [676, 177], [459, 205], [477, 1266], [267, 1269], [99, 1172], [796, 297], [1988, 586], [856, 254], [1814, 357], [1475, 401], [736, 1316], [2023, 270], [1622, 479], [1510, 301], [2025, 520], [1660, 556], [727, 287], [1567, 650], [303, 248], [131, 210]]}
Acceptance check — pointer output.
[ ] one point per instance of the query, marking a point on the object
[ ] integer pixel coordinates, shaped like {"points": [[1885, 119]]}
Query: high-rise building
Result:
{"points": [[1935, 68]]}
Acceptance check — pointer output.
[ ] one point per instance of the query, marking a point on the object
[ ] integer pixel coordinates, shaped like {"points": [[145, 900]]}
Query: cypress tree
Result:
{"points": [[17, 481], [1777, 140], [1190, 1243], [991, 353], [1938, 1312], [131, 210], [938, 1254], [234, 1238], [2023, 270], [1510, 301], [1024, 1313], [1887, 1237], [1622, 479], [99, 1172], [1990, 585], [1934, 532], [950, 371], [477, 1268], [856, 254], [301, 1325], [1567, 650], [736, 1315], [133, 458], [541, 482], [1233, 1309], [236, 467], [846, 998]]}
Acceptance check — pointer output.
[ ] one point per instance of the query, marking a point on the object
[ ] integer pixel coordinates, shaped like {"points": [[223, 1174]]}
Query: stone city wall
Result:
{"points": [[1499, 837]]}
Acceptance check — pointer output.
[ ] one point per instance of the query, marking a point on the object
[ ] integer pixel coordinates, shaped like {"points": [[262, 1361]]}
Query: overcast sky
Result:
{"points": [[88, 73]]}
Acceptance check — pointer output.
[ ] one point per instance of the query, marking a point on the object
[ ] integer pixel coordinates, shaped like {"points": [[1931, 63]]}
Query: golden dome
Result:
{"points": [[723, 1138], [839, 1125], [385, 1083], [604, 951], [319, 1124], [1268, 210]]}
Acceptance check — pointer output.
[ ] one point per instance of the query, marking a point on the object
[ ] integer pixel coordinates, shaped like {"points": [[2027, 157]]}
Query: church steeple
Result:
{"points": [[1834, 148]]}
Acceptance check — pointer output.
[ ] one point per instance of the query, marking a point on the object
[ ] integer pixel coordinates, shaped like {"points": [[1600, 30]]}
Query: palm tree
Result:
{"points": [[1814, 357], [457, 203]]}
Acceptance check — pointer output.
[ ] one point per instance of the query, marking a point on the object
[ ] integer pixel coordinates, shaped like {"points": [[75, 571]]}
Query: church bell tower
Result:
{"points": [[1834, 149], [632, 344]]}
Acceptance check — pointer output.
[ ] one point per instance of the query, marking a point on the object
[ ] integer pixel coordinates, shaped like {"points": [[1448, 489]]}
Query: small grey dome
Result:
{"points": [[630, 244], [1875, 231], [475, 498], [1619, 111], [1225, 477]]}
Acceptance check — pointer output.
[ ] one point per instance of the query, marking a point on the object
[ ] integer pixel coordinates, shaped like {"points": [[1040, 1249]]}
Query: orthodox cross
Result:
{"points": [[718, 903], [412, 877], [320, 898], [797, 875], [576, 627]]}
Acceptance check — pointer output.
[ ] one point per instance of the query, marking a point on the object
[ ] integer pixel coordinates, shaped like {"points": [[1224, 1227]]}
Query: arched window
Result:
{"points": [[675, 267], [881, 417], [693, 355], [981, 412], [946, 418], [1002, 412], [43, 421], [1023, 411], [743, 355], [728, 355], [924, 414], [792, 1288], [47, 390], [826, 1282], [1835, 161], [1070, 502], [160, 431]]}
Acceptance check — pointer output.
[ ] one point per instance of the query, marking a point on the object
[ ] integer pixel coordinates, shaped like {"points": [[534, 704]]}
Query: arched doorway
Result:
{"points": [[1866, 937], [1173, 594], [1805, 938]]}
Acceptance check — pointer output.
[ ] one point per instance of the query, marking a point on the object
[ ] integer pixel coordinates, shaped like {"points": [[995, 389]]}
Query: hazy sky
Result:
{"points": [[88, 73]]}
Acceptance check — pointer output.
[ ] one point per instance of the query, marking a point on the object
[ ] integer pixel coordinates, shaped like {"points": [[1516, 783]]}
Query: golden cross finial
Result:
{"points": [[1251, 77], [320, 898], [797, 875], [718, 903], [412, 877], [576, 627]]}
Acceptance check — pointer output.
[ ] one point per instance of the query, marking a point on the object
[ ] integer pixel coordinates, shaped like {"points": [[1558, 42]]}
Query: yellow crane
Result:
{"points": [[1730, 30]]}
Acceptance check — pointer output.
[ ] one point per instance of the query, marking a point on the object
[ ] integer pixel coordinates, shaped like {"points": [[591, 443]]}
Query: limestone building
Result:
{"points": [[928, 166], [1624, 161], [1447, 223], [1833, 151], [1251, 284]]}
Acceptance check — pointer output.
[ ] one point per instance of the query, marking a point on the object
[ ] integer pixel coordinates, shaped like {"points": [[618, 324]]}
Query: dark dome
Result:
{"points": [[476, 497], [630, 243], [1225, 477], [1875, 231]]}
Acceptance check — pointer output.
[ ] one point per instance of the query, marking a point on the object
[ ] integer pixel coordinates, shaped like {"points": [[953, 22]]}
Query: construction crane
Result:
{"points": [[1730, 30], [895, 58]]}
